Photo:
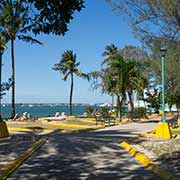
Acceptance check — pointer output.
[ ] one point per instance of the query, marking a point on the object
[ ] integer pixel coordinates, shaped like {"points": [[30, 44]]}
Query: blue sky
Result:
{"points": [[89, 32]]}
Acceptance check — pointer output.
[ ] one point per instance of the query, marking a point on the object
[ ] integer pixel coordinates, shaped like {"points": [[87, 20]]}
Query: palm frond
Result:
{"points": [[81, 74], [66, 76], [29, 39]]}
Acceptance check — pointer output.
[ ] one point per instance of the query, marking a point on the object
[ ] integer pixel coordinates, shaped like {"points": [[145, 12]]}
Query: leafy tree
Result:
{"points": [[120, 76], [134, 53], [152, 17], [14, 20], [172, 68], [53, 16], [139, 59], [5, 87], [68, 66], [153, 99]]}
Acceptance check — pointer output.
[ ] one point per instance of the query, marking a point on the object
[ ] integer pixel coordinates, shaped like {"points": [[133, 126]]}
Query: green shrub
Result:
{"points": [[139, 113], [89, 110]]}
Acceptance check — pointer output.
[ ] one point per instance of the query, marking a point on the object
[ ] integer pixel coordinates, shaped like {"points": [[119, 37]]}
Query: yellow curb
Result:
{"points": [[146, 162], [12, 166], [27, 129], [89, 120], [67, 125]]}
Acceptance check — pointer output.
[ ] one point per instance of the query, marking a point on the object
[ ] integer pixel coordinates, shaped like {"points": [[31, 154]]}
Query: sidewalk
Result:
{"points": [[91, 155]]}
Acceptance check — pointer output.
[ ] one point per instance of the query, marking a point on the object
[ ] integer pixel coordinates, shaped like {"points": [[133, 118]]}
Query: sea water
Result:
{"points": [[42, 110]]}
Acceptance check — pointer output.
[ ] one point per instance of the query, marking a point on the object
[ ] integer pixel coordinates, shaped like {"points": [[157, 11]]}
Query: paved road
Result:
{"points": [[91, 156]]}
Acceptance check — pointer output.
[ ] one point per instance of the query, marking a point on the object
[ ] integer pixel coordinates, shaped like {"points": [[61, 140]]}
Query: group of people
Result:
{"points": [[24, 117]]}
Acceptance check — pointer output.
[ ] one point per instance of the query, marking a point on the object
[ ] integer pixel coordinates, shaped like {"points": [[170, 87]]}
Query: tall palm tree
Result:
{"points": [[68, 66], [127, 78], [110, 52], [14, 23]]}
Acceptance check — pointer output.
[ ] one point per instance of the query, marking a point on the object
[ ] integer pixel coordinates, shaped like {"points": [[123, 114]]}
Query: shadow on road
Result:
{"points": [[91, 155]]}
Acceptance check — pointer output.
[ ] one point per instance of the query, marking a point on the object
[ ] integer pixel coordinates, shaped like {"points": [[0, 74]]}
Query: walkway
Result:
{"points": [[91, 156]]}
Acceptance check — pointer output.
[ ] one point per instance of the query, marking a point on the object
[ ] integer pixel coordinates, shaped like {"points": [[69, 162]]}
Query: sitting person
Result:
{"points": [[25, 116], [57, 114], [16, 117]]}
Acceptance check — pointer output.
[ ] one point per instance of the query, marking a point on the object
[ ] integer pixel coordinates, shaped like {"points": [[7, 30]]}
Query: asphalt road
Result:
{"points": [[91, 156]]}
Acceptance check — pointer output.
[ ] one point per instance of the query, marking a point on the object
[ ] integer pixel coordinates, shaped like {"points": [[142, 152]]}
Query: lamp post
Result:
{"points": [[163, 53], [163, 130], [1, 53]]}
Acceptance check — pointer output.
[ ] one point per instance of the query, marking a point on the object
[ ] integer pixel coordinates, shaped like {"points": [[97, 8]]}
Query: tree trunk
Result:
{"points": [[119, 106], [131, 101], [131, 108], [13, 79], [71, 93], [112, 106]]}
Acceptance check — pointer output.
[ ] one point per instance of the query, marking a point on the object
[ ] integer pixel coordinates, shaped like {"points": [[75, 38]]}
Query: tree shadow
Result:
{"points": [[91, 155]]}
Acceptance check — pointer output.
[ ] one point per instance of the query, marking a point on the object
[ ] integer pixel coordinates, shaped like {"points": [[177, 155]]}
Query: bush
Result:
{"points": [[89, 110], [139, 113]]}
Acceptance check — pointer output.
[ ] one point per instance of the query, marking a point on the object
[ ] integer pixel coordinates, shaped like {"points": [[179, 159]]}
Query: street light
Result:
{"points": [[163, 53], [1, 53], [163, 129]]}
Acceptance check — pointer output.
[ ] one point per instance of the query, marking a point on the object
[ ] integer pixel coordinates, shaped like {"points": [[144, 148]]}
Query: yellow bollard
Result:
{"points": [[3, 130], [163, 130]]}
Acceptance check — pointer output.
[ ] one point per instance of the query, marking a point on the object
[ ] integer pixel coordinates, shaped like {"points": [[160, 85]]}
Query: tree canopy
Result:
{"points": [[152, 17], [53, 16]]}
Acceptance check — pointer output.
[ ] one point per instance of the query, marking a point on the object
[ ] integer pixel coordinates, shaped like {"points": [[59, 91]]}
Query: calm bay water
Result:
{"points": [[41, 111]]}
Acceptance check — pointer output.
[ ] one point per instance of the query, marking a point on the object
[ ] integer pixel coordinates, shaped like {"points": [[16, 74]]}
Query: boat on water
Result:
{"points": [[30, 105]]}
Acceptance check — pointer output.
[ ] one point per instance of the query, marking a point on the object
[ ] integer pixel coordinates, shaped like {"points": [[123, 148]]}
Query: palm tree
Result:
{"points": [[110, 51], [68, 66], [14, 23], [125, 77]]}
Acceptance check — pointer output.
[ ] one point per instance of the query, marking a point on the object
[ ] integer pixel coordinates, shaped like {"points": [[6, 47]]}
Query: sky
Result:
{"points": [[89, 32]]}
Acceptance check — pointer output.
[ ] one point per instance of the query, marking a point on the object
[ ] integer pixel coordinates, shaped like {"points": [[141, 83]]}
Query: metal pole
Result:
{"points": [[0, 84], [163, 89]]}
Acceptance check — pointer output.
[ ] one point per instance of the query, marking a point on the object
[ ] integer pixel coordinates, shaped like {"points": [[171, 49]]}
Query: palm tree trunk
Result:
{"points": [[131, 101], [71, 93], [119, 106], [112, 102], [13, 79]]}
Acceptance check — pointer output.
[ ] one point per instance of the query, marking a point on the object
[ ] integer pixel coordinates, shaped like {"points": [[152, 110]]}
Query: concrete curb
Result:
{"points": [[147, 163], [12, 166]]}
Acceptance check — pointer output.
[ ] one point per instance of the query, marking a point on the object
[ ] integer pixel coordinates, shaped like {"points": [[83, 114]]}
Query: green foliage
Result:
{"points": [[173, 99], [161, 15], [120, 76], [5, 87], [153, 100], [68, 66], [89, 110], [105, 111], [53, 16], [15, 20], [139, 113]]}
